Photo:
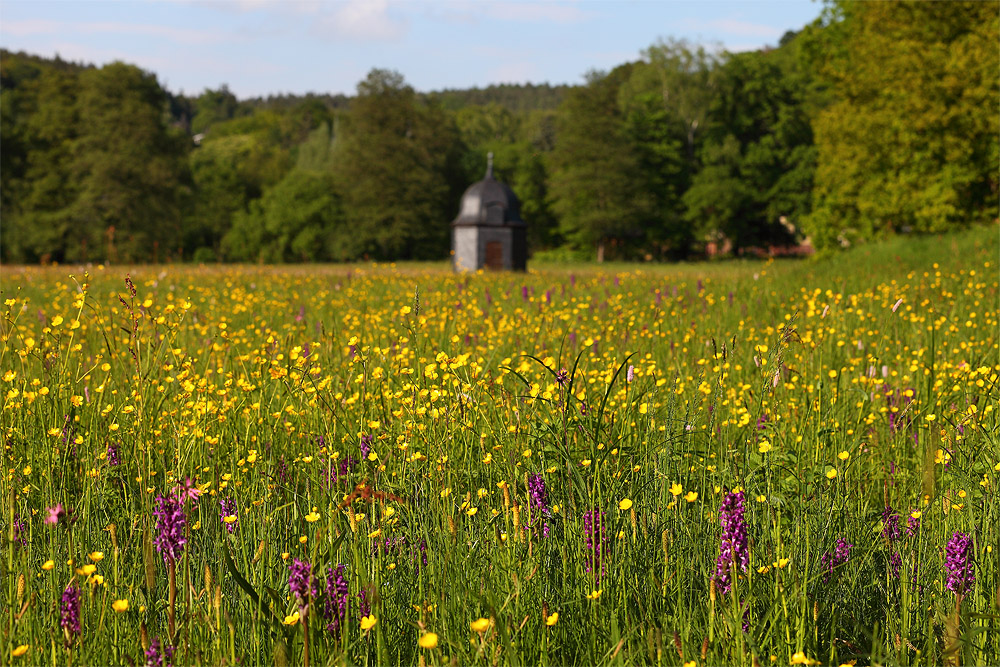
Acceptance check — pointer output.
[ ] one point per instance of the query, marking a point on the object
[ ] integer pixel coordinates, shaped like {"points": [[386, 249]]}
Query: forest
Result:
{"points": [[877, 119]]}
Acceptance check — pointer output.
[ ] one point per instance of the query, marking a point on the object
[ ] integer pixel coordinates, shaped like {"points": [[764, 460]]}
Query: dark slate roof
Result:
{"points": [[489, 203]]}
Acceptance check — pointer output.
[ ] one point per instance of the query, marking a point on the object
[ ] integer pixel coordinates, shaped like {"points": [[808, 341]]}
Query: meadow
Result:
{"points": [[742, 462]]}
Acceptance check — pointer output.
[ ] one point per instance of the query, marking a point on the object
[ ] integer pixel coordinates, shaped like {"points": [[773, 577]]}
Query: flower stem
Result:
{"points": [[172, 597], [305, 641]]}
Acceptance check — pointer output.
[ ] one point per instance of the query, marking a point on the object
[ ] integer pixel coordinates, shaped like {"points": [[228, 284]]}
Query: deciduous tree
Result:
{"points": [[910, 142]]}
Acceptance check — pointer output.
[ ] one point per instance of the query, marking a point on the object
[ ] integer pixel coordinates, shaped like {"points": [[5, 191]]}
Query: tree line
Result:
{"points": [[878, 118]]}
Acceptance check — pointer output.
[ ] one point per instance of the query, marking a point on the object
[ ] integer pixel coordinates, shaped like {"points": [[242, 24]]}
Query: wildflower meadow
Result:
{"points": [[744, 462]]}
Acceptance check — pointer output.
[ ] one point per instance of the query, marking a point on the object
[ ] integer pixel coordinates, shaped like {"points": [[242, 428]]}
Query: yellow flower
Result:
{"points": [[844, 455], [87, 570], [930, 417], [764, 447], [19, 651], [96, 556], [312, 517], [690, 663], [801, 659], [831, 473], [593, 595], [48, 565], [291, 619], [691, 496], [120, 606], [472, 511], [553, 619], [481, 625], [625, 504], [368, 622], [428, 640], [676, 489]]}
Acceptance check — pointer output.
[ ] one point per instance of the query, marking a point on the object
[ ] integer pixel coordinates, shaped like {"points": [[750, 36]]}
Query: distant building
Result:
{"points": [[489, 232]]}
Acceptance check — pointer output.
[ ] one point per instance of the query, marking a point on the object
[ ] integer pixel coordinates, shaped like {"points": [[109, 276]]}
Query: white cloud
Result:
{"points": [[35, 27], [364, 20], [537, 12], [30, 27], [470, 12]]}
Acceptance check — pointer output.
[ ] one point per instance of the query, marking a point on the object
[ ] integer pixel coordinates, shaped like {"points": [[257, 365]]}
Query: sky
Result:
{"points": [[263, 47]]}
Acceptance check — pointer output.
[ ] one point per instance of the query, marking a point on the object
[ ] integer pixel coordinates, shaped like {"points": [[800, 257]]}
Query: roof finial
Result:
{"points": [[489, 165]]}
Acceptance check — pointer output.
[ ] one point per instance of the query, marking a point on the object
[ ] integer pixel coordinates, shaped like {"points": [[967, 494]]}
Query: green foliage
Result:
{"points": [[686, 73], [129, 167], [757, 159], [96, 172], [41, 119], [597, 185], [213, 106], [909, 144], [516, 98], [657, 134], [397, 166], [316, 152], [649, 161], [299, 219], [232, 167]]}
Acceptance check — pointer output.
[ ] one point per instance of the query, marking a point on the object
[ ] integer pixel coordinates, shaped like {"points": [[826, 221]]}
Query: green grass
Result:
{"points": [[759, 376]]}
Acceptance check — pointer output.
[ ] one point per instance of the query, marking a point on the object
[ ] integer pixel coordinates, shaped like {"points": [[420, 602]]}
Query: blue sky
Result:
{"points": [[259, 47]]}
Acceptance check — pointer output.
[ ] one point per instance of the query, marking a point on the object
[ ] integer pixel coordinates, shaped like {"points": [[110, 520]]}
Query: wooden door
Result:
{"points": [[494, 255]]}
